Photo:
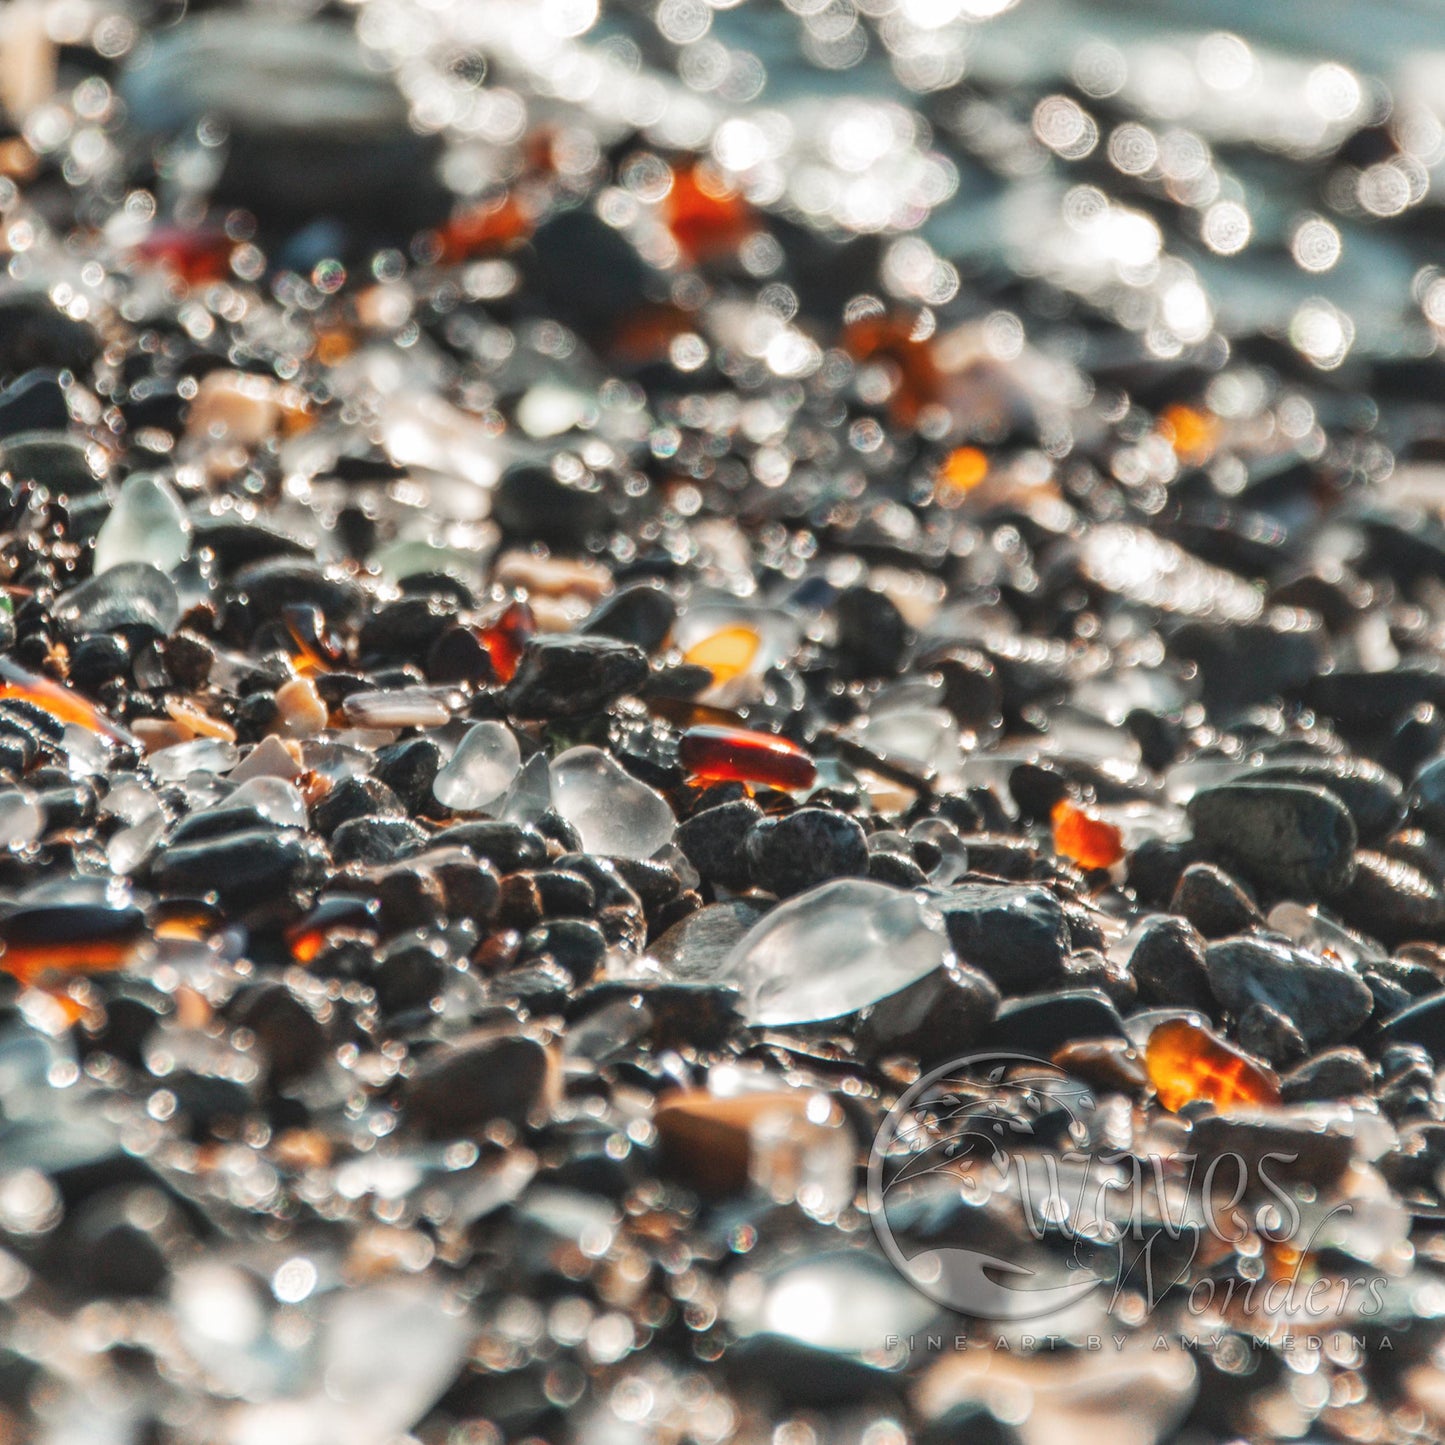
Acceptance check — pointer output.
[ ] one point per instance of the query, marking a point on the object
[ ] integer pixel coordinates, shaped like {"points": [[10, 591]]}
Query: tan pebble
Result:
{"points": [[915, 594], [28, 58], [201, 723], [303, 714], [1135, 1394], [192, 1010], [384, 308], [300, 1149], [558, 614], [314, 786], [154, 733], [885, 795], [242, 408], [553, 576], [709, 1141], [272, 757], [381, 1250]]}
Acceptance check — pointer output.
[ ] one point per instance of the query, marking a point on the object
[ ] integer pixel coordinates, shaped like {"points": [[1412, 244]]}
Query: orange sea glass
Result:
{"points": [[60, 702], [963, 469], [1193, 434], [1089, 842], [1186, 1061], [727, 653], [197, 256], [706, 216], [505, 638], [722, 755], [483, 229], [891, 339]]}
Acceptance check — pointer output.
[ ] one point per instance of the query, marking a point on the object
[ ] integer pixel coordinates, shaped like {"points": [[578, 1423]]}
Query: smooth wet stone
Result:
{"points": [[410, 770], [1266, 1033], [576, 944], [33, 402], [697, 947], [803, 849], [576, 241], [535, 503], [1416, 739], [609, 808], [1427, 797], [1250, 662], [897, 870], [1287, 836], [678, 1014], [355, 797], [1326, 1003], [1213, 902], [641, 614], [238, 541], [315, 130], [506, 846], [1167, 962], [272, 585], [1045, 1022], [1018, 936], [1374, 797], [469, 887], [409, 972], [132, 594], [287, 1033], [62, 464], [462, 1086], [873, 638], [372, 839], [1422, 1024], [834, 950], [1304, 1143], [1358, 698], [146, 525], [720, 1144], [247, 870], [34, 331], [1392, 900], [932, 1020], [1339, 1073], [560, 677], [481, 770], [406, 629]]}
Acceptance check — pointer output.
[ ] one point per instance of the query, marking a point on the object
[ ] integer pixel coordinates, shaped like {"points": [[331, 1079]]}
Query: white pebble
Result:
{"points": [[480, 771], [530, 794], [147, 524], [270, 758], [614, 813], [276, 801], [406, 707], [20, 819], [833, 950]]}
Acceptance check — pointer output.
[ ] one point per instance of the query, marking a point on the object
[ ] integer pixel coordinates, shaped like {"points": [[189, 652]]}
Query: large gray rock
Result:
{"points": [[313, 129], [1294, 838], [1018, 936], [1324, 1002]]}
